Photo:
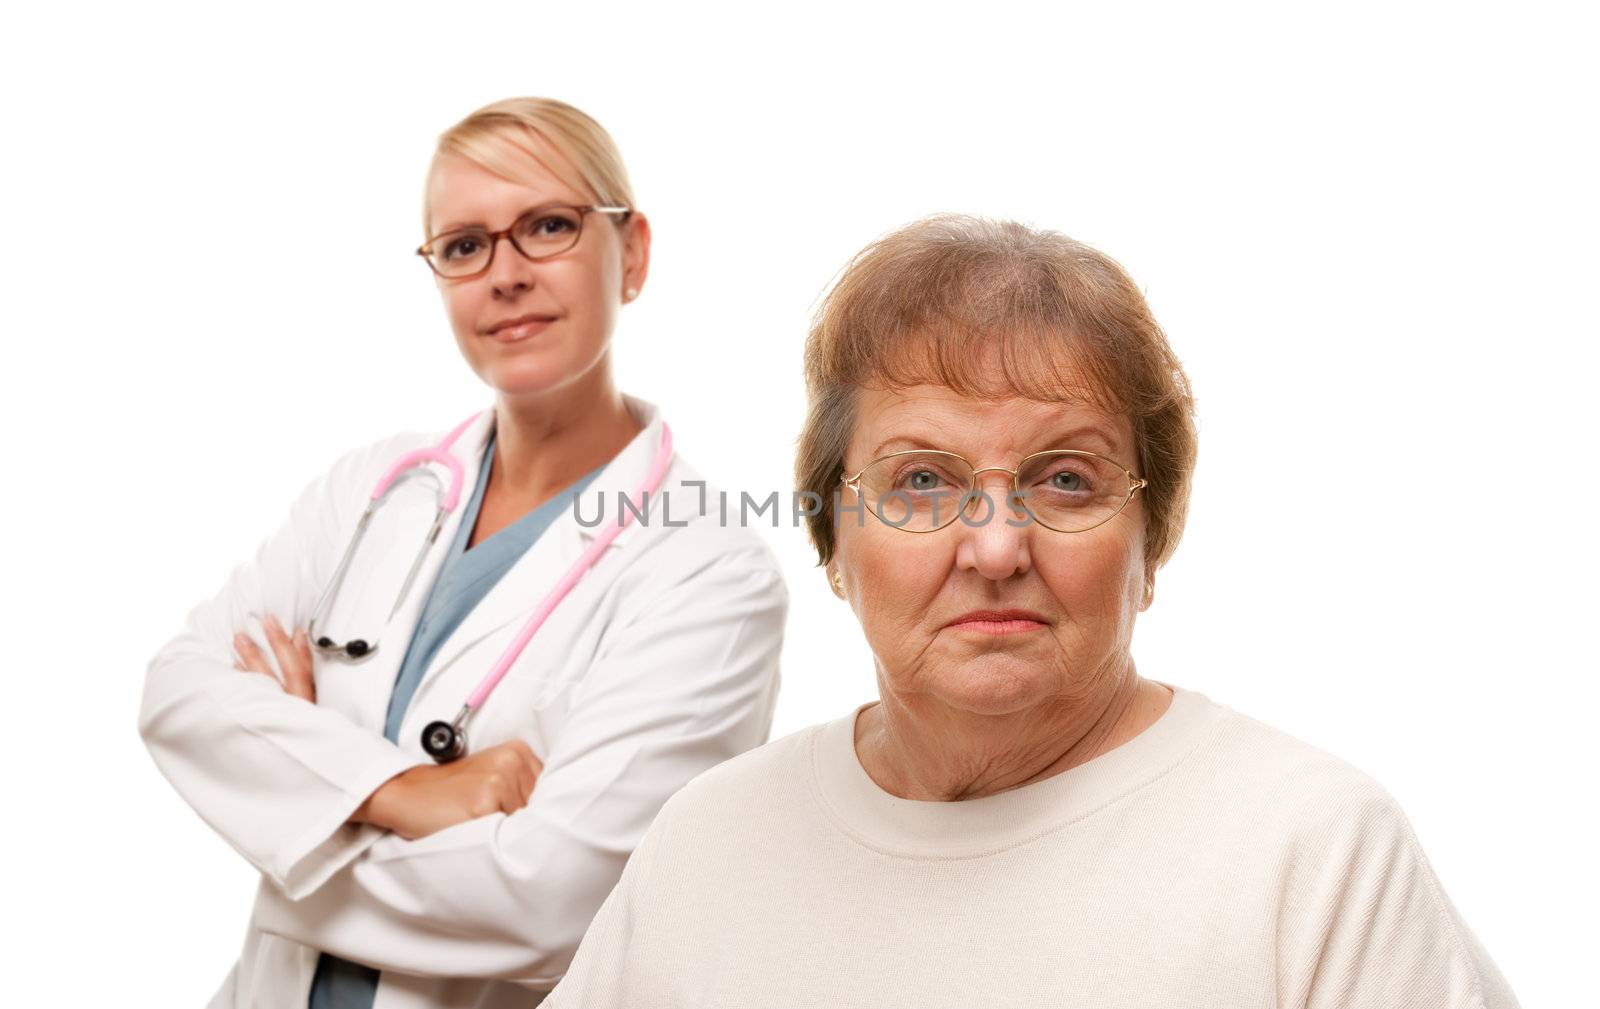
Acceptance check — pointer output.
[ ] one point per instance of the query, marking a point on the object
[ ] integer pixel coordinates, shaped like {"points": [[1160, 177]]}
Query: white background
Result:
{"points": [[1368, 230]]}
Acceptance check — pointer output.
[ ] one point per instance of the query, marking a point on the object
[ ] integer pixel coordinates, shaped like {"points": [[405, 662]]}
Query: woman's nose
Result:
{"points": [[995, 534], [510, 273]]}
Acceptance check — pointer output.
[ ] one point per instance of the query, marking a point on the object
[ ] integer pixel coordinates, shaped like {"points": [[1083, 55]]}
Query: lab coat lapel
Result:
{"points": [[412, 513], [523, 587]]}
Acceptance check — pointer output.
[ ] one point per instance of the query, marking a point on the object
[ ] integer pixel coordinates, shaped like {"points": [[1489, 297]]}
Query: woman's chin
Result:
{"points": [[536, 375], [536, 368], [987, 687]]}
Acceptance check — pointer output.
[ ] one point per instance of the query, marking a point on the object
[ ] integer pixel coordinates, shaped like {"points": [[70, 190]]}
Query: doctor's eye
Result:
{"points": [[462, 247], [548, 230], [555, 224]]}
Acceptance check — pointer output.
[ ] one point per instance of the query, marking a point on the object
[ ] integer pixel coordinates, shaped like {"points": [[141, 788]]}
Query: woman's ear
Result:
{"points": [[836, 581], [635, 255]]}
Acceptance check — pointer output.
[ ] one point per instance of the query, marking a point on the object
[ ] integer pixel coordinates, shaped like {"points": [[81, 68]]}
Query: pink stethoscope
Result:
{"points": [[445, 741]]}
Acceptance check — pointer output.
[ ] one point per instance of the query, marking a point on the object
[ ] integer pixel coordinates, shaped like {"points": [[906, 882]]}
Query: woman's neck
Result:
{"points": [[543, 444], [917, 748]]}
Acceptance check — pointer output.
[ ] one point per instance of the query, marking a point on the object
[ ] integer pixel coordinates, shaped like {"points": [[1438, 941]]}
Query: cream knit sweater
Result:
{"points": [[1209, 861]]}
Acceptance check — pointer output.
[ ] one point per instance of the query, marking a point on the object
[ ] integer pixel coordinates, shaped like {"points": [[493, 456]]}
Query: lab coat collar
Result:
{"points": [[528, 581], [621, 476]]}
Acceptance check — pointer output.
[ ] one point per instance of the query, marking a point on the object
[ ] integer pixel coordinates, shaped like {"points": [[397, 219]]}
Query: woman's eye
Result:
{"points": [[460, 247], [552, 226], [922, 480], [1069, 480]]}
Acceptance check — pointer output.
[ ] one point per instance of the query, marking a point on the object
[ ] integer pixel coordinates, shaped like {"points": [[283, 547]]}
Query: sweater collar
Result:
{"points": [[970, 828]]}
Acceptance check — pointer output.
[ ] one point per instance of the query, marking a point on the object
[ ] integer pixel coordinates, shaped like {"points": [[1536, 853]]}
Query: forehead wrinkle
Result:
{"points": [[959, 424]]}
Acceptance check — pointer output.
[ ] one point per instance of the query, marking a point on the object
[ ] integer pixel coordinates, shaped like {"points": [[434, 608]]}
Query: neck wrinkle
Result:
{"points": [[894, 745], [987, 825]]}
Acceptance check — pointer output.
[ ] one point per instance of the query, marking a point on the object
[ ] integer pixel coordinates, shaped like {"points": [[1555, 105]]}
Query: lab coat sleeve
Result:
{"points": [[1366, 922], [688, 683], [275, 776]]}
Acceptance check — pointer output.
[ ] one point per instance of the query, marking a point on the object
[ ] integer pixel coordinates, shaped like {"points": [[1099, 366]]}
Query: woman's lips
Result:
{"points": [[1008, 621], [997, 626], [522, 330]]}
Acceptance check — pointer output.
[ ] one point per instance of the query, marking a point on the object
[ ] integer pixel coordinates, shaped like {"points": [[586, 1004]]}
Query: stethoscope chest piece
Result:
{"points": [[445, 741]]}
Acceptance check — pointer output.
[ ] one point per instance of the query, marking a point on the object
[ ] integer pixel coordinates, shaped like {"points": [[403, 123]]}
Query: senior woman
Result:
{"points": [[390, 881], [1020, 819]]}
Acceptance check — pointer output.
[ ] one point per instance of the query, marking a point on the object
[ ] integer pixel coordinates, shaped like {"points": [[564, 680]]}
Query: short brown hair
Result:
{"points": [[924, 303]]}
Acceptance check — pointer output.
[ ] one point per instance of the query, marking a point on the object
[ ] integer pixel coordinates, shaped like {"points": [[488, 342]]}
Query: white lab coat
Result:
{"points": [[661, 663]]}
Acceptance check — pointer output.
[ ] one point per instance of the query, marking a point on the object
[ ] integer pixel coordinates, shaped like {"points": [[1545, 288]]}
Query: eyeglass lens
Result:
{"points": [[537, 234], [923, 491]]}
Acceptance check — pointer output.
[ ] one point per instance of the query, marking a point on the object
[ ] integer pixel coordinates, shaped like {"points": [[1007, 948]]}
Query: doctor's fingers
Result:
{"points": [[484, 783], [294, 658], [519, 770], [532, 766], [499, 777], [251, 659], [525, 758]]}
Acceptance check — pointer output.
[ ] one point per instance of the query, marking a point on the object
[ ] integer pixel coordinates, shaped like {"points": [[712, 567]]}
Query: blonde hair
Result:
{"points": [[504, 136], [936, 300]]}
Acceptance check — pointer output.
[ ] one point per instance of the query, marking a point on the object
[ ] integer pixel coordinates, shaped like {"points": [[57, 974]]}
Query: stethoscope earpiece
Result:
{"points": [[355, 649]]}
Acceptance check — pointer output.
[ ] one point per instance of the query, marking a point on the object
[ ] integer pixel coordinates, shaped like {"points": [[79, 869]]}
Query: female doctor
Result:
{"points": [[440, 752]]}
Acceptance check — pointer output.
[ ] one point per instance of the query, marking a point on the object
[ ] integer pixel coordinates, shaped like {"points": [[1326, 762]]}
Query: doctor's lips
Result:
{"points": [[521, 327], [998, 621]]}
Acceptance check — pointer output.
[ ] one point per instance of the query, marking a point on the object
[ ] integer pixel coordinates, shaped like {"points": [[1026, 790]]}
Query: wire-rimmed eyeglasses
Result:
{"points": [[545, 231], [924, 490]]}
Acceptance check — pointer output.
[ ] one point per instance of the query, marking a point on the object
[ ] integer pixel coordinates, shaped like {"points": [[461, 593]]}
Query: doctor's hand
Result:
{"points": [[293, 654], [430, 798]]}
